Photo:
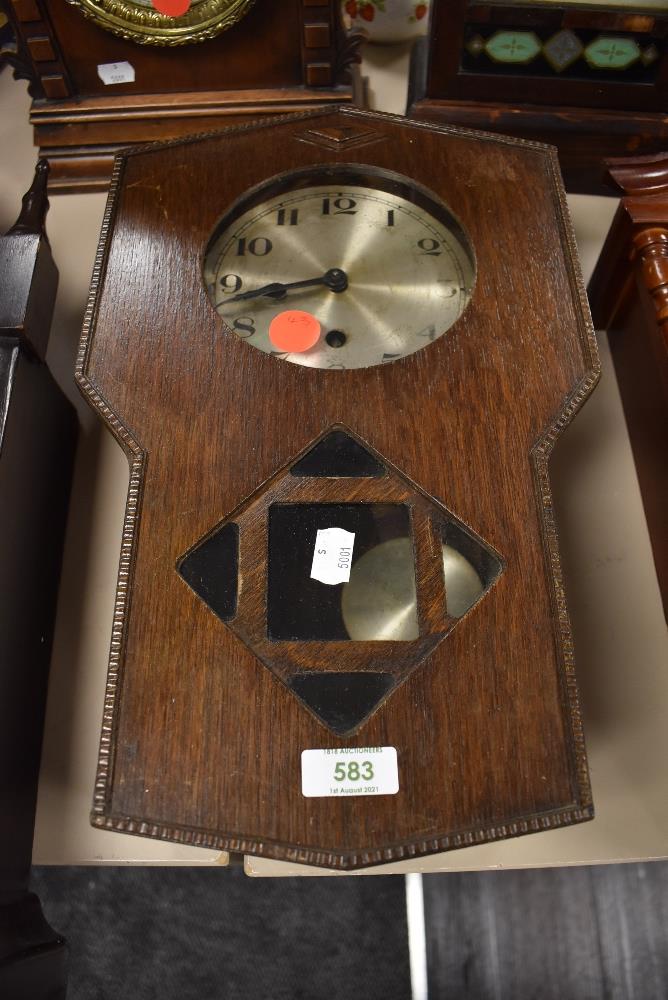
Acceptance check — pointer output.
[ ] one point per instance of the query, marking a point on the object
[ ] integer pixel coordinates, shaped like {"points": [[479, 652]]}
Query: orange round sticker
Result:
{"points": [[294, 331], [172, 8]]}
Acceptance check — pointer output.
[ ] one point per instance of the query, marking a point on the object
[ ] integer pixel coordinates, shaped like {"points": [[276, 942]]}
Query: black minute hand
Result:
{"points": [[335, 279]]}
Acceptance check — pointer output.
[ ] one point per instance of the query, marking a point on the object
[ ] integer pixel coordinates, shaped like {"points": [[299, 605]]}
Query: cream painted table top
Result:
{"points": [[620, 633]]}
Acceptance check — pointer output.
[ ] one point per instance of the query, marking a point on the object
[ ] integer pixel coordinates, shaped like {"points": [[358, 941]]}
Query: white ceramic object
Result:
{"points": [[387, 20]]}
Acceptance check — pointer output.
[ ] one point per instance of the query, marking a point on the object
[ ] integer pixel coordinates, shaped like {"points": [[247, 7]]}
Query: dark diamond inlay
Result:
{"points": [[212, 571], [338, 456], [342, 700]]}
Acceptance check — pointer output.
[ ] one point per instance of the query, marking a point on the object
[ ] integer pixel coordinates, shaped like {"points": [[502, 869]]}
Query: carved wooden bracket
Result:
{"points": [[36, 55], [650, 248], [643, 210]]}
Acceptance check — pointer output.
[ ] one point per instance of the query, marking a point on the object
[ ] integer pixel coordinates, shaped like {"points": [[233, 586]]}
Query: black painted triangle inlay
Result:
{"points": [[212, 570], [337, 455], [342, 700]]}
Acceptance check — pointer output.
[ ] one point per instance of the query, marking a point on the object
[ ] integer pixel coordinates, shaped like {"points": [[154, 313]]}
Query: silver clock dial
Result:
{"points": [[382, 274]]}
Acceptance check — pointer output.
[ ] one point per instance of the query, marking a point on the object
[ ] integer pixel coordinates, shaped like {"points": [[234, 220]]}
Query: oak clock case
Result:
{"points": [[221, 63], [591, 79], [429, 443]]}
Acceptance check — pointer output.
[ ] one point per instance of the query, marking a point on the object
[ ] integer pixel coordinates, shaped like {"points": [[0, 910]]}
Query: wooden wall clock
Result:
{"points": [[106, 74], [338, 349], [591, 78]]}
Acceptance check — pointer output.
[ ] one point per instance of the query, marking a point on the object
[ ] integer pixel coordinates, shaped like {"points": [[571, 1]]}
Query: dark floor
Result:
{"points": [[214, 934], [549, 934]]}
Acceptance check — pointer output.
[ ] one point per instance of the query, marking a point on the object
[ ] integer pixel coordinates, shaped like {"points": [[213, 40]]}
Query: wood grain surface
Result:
{"points": [[201, 743]]}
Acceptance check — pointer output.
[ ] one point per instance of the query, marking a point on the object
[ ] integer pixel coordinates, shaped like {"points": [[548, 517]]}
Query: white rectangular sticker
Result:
{"points": [[332, 555], [118, 72], [360, 771]]}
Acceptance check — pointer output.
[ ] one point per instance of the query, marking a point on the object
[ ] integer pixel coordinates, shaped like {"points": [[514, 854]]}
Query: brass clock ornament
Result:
{"points": [[140, 21], [338, 360]]}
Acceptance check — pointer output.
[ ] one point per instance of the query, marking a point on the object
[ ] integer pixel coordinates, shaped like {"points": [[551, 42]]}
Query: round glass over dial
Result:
{"points": [[381, 265]]}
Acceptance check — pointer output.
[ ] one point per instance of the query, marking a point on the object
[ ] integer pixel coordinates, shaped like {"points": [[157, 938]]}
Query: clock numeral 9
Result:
{"points": [[260, 246], [430, 247], [231, 282], [341, 206], [244, 326]]}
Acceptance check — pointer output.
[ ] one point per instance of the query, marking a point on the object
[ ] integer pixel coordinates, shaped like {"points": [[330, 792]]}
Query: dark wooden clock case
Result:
{"points": [[589, 115], [38, 431], [202, 734], [628, 292], [280, 57]]}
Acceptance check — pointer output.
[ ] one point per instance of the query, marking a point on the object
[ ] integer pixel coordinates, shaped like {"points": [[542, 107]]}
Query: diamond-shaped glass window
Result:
{"points": [[341, 646]]}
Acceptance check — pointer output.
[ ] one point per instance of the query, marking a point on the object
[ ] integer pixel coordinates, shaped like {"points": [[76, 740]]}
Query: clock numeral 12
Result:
{"points": [[341, 206]]}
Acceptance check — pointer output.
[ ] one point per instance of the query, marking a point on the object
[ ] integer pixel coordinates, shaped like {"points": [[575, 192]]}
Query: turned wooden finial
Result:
{"points": [[650, 247], [28, 275], [640, 175], [32, 216]]}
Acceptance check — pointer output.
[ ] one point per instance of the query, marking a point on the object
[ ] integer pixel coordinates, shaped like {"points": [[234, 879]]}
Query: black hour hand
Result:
{"points": [[335, 279]]}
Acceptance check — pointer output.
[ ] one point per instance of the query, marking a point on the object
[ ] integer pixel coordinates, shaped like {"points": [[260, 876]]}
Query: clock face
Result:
{"points": [[370, 268], [164, 22]]}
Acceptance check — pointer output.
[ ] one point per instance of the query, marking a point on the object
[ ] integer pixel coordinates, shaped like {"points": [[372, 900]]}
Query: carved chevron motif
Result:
{"points": [[340, 139]]}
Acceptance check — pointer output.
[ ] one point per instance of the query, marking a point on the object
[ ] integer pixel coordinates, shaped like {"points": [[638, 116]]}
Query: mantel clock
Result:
{"points": [[105, 74], [589, 76], [337, 349]]}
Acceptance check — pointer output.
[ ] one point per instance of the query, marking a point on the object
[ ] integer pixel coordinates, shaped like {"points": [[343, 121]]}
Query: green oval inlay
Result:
{"points": [[513, 46], [608, 52]]}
